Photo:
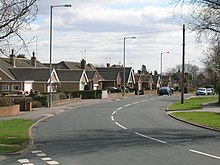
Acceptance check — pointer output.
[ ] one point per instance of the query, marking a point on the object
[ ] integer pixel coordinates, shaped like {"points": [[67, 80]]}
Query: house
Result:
{"points": [[40, 78], [8, 80], [70, 80], [114, 76], [145, 82]]}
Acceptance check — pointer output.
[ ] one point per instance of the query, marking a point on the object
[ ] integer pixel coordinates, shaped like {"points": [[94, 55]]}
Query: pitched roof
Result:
{"points": [[69, 74], [36, 74], [110, 73], [20, 62]]}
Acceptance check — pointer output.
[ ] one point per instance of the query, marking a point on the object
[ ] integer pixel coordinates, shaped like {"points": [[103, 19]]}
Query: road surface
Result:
{"points": [[133, 131]]}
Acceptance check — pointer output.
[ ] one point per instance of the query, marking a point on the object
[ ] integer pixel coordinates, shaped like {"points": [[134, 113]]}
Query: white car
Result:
{"points": [[201, 91], [210, 91]]}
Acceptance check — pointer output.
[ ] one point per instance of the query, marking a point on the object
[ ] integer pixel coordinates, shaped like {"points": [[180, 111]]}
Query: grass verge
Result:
{"points": [[209, 119], [14, 135], [193, 103]]}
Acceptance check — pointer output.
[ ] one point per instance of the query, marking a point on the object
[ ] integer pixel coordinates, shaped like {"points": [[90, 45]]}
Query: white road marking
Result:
{"points": [[127, 105], [22, 161], [145, 136], [36, 152], [28, 164], [114, 113], [46, 159], [143, 101], [119, 108], [136, 102], [52, 162], [120, 125], [112, 117], [41, 154], [205, 154]]}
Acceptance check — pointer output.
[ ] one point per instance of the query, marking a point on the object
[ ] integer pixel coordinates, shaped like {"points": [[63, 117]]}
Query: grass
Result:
{"points": [[14, 135], [209, 119], [193, 103]]}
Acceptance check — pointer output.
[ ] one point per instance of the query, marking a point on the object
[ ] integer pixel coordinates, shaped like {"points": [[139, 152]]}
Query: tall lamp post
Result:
{"points": [[188, 71], [124, 61], [51, 23], [161, 64]]}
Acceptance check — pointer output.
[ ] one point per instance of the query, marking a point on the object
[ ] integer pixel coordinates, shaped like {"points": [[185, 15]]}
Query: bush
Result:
{"points": [[62, 96], [6, 101], [36, 104], [92, 94], [42, 99]]}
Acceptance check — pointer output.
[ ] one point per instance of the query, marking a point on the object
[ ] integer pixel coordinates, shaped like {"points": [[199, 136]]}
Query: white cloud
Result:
{"points": [[99, 27]]}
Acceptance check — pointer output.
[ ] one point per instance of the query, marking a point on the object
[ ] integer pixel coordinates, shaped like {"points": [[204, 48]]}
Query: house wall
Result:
{"points": [[69, 86], [12, 85], [42, 87]]}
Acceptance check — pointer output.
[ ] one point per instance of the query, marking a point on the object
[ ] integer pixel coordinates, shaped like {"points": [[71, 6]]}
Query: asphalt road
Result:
{"points": [[132, 131]]}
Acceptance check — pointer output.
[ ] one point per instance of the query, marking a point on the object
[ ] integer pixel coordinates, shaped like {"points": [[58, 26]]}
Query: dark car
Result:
{"points": [[164, 91], [113, 90]]}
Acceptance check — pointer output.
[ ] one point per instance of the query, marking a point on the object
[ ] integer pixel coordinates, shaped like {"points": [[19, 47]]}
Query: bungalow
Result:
{"points": [[72, 79]]}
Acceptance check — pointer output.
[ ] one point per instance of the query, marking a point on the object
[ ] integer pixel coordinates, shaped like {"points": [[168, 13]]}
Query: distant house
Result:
{"points": [[71, 80], [9, 82], [114, 76], [144, 81]]}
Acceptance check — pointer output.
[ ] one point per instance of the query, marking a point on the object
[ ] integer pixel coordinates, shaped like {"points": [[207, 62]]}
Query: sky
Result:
{"points": [[95, 30]]}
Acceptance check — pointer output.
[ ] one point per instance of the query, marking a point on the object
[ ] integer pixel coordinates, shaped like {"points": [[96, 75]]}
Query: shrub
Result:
{"points": [[62, 96], [6, 101], [36, 104]]}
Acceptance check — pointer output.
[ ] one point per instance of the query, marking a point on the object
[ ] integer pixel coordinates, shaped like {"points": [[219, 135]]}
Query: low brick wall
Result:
{"points": [[10, 110]]}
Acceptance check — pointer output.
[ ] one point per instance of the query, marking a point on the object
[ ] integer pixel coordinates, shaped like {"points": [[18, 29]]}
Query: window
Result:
{"points": [[5, 87], [15, 88]]}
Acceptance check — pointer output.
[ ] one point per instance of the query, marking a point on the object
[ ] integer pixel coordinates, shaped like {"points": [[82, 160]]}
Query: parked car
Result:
{"points": [[113, 90], [164, 91], [201, 91], [210, 91]]}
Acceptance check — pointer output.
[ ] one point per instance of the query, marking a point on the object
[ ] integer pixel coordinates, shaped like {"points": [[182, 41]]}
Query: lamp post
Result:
{"points": [[188, 71], [51, 23], [124, 61], [161, 64]]}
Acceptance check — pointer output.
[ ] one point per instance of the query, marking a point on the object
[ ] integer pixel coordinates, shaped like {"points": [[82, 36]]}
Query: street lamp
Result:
{"points": [[124, 61], [51, 23], [188, 71], [161, 64]]}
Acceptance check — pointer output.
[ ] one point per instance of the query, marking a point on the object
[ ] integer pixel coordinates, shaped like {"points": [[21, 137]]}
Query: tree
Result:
{"points": [[144, 69], [212, 63], [15, 16], [205, 17]]}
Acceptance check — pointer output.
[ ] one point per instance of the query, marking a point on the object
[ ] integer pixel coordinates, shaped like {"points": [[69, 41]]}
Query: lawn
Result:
{"points": [[209, 119], [193, 103], [14, 135]]}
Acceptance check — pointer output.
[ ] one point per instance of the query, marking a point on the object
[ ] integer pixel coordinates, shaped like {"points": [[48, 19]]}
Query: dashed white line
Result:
{"points": [[127, 105], [136, 102], [22, 161], [112, 117], [114, 113], [120, 125], [142, 101], [119, 108], [41, 154], [46, 159], [52, 162], [205, 154], [145, 136]]}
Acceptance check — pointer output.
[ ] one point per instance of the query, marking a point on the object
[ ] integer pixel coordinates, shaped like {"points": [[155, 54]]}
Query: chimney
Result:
{"points": [[108, 65], [83, 64], [12, 58], [33, 60]]}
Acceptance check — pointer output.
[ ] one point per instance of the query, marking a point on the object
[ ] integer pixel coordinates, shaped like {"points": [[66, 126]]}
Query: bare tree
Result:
{"points": [[205, 17], [15, 16]]}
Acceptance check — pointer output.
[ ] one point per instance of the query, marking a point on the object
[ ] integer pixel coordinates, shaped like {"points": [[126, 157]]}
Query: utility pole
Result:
{"points": [[183, 67]]}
